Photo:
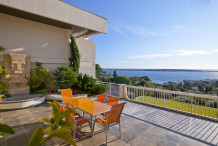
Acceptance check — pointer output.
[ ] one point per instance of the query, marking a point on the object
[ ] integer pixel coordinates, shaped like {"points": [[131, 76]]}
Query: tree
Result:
{"points": [[122, 80], [216, 83], [75, 55], [146, 78], [201, 88], [115, 73], [100, 73]]}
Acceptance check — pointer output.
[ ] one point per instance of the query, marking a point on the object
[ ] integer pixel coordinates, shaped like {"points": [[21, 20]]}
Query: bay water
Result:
{"points": [[166, 75]]}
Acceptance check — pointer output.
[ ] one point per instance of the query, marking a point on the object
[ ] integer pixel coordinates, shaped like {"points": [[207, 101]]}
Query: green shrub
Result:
{"points": [[64, 77], [38, 79], [87, 84], [122, 80], [97, 89], [2, 70]]}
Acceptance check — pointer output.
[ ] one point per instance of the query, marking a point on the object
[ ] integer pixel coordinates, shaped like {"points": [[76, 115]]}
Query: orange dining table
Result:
{"points": [[89, 106]]}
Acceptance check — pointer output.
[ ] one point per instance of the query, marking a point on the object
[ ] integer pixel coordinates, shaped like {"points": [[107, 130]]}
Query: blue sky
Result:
{"points": [[179, 34]]}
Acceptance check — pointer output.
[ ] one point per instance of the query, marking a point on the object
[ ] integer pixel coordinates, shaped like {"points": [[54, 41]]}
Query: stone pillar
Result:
{"points": [[17, 73]]}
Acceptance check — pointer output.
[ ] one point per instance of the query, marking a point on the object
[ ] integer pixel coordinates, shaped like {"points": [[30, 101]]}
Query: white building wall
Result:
{"points": [[43, 43], [87, 56]]}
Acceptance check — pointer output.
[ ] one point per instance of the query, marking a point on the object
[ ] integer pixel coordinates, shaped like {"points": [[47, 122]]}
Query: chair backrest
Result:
{"points": [[101, 98], [66, 94], [112, 100], [62, 105], [115, 113]]}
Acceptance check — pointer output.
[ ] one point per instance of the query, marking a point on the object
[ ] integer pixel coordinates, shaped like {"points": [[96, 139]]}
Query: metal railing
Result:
{"points": [[196, 104], [112, 89]]}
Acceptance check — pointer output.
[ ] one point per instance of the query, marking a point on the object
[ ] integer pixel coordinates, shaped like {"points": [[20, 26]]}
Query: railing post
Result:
{"points": [[110, 89], [122, 91]]}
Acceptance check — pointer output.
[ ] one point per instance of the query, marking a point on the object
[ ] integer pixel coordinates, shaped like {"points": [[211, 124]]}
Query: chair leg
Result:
{"points": [[120, 130], [74, 131], [105, 128]]}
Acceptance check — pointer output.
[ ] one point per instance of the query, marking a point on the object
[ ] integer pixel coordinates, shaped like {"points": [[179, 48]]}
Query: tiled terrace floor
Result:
{"points": [[140, 125]]}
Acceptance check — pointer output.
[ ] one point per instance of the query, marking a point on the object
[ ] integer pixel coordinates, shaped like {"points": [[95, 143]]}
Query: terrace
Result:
{"points": [[140, 124]]}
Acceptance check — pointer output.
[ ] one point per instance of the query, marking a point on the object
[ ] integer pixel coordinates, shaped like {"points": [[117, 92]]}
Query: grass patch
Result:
{"points": [[196, 109]]}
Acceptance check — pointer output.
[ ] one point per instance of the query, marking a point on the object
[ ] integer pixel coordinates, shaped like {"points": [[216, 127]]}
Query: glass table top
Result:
{"points": [[88, 105]]}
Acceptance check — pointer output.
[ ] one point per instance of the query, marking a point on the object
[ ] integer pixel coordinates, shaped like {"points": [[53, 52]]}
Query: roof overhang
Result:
{"points": [[56, 13]]}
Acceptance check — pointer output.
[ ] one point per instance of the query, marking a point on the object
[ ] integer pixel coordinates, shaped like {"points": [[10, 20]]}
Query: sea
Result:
{"points": [[167, 75]]}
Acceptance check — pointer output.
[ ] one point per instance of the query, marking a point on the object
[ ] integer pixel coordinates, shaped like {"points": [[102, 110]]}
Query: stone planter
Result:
{"points": [[59, 97]]}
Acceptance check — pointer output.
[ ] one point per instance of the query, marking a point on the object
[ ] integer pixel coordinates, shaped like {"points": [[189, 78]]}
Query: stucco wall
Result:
{"points": [[87, 56], [43, 43]]}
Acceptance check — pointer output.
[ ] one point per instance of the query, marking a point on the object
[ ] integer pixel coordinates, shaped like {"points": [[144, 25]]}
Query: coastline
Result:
{"points": [[172, 70]]}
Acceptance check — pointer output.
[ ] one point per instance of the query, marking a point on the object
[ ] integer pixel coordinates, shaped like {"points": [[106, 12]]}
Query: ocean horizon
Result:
{"points": [[167, 75]]}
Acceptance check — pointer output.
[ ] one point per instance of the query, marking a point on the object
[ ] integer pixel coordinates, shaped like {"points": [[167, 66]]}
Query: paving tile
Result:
{"points": [[23, 111], [8, 113], [168, 139], [142, 125], [2, 141], [56, 142], [28, 120], [141, 141], [9, 117], [131, 134], [87, 142], [30, 128], [18, 139], [13, 123], [118, 142], [100, 138], [190, 142]]}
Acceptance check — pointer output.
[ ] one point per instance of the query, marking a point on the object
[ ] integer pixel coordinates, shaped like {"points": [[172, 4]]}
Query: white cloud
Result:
{"points": [[150, 56], [178, 26], [190, 52], [137, 30], [120, 61], [142, 31], [215, 50], [122, 28], [176, 53], [117, 29]]}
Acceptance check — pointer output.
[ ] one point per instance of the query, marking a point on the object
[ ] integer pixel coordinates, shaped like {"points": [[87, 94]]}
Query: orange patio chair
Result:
{"points": [[78, 121], [101, 98], [75, 118], [65, 106], [112, 100], [66, 95], [111, 119]]}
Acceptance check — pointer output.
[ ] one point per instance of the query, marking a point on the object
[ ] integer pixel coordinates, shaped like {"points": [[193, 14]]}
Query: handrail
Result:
{"points": [[175, 92]]}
